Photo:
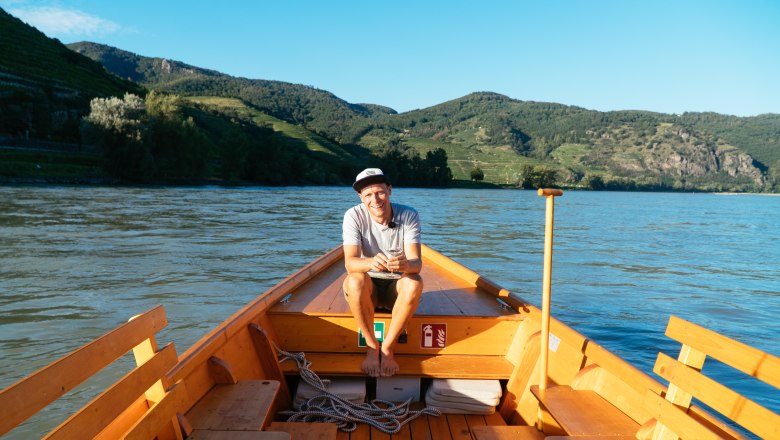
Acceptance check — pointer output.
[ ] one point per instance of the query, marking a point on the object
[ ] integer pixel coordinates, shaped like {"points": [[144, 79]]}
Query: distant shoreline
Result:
{"points": [[42, 181], [745, 194]]}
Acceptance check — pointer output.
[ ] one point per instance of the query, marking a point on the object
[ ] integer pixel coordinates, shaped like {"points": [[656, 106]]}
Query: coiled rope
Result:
{"points": [[328, 407]]}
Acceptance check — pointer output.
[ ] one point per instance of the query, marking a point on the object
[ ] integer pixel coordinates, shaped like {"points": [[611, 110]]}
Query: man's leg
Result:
{"points": [[359, 288], [409, 289]]}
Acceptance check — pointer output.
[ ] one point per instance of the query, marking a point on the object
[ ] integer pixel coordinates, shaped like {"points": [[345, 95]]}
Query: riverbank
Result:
{"points": [[71, 164]]}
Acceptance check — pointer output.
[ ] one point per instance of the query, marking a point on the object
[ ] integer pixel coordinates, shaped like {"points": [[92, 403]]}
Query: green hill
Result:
{"points": [[506, 138], [317, 110], [45, 87], [343, 160], [632, 149]]}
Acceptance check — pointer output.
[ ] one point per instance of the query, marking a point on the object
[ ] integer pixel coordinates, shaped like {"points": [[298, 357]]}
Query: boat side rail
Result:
{"points": [[601, 373], [686, 381], [434, 257], [141, 402], [579, 362], [252, 313]]}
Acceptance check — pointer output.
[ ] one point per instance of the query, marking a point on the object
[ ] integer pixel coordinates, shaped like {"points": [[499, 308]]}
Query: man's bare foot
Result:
{"points": [[371, 364], [389, 365]]}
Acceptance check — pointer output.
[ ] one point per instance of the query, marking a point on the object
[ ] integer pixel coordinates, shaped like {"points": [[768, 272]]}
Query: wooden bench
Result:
{"points": [[686, 381], [599, 402], [584, 412], [247, 405], [436, 366], [602, 397], [242, 408], [141, 405]]}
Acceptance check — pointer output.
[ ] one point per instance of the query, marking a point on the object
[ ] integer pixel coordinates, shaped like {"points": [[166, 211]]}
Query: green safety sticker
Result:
{"points": [[379, 332]]}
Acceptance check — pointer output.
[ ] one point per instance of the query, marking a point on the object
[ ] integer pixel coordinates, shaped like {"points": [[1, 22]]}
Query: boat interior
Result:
{"points": [[232, 385]]}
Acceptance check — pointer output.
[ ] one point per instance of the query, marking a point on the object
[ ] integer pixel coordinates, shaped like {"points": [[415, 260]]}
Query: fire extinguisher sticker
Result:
{"points": [[433, 336]]}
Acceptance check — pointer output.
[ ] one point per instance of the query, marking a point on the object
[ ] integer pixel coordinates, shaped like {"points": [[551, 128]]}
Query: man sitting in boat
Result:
{"points": [[382, 257]]}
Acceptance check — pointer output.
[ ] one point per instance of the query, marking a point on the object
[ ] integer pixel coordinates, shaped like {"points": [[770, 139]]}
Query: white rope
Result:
{"points": [[328, 407]]}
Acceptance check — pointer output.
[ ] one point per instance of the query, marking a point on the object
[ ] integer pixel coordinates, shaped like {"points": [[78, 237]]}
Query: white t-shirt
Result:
{"points": [[359, 229]]}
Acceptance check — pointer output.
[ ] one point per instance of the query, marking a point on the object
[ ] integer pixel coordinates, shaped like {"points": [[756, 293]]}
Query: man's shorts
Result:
{"points": [[383, 294]]}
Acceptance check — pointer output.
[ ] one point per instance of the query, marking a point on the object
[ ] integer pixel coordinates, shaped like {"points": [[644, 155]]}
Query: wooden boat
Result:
{"points": [[231, 385]]}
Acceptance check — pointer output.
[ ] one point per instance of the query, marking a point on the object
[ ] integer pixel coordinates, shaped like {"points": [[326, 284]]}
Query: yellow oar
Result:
{"points": [[547, 277]]}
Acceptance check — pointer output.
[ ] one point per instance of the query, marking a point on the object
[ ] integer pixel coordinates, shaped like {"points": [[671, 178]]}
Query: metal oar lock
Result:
{"points": [[550, 194]]}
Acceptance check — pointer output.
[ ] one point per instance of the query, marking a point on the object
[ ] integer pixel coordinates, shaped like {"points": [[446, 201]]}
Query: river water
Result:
{"points": [[77, 261]]}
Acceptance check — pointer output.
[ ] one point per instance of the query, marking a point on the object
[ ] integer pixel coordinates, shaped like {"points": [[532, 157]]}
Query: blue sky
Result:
{"points": [[664, 56]]}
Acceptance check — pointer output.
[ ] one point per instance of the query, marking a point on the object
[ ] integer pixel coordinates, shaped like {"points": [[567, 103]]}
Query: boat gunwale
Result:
{"points": [[235, 323], [204, 348], [219, 336], [593, 354]]}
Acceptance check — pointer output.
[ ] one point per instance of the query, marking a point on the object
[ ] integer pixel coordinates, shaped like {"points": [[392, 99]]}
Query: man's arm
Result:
{"points": [[410, 262], [355, 264], [413, 261]]}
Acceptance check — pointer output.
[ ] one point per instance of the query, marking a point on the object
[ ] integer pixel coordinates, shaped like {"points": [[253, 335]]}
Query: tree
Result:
{"points": [[118, 127], [435, 169], [538, 177], [477, 174], [147, 140], [234, 146], [179, 148], [405, 166], [121, 116], [596, 183]]}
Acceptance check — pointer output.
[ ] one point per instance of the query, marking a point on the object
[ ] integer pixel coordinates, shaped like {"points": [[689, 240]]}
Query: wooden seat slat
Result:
{"points": [[244, 406], [738, 408], [419, 429], [494, 419], [686, 382], [306, 431], [205, 434], [31, 394], [362, 432], [459, 428], [159, 415], [745, 358], [591, 437], [669, 415], [99, 413], [328, 334], [584, 412], [507, 433], [444, 294], [453, 366]]}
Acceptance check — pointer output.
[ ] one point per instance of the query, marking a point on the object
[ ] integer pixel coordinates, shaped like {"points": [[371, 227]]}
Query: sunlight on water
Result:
{"points": [[77, 261]]}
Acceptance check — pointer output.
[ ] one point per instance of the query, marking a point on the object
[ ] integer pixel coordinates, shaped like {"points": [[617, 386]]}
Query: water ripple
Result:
{"points": [[77, 261]]}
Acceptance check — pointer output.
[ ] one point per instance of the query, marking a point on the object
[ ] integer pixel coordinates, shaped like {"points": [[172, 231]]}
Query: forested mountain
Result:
{"points": [[46, 90], [45, 94], [633, 149], [65, 118], [506, 139], [318, 110]]}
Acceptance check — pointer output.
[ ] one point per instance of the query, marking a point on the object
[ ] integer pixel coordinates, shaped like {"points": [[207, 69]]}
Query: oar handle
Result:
{"points": [[549, 192]]}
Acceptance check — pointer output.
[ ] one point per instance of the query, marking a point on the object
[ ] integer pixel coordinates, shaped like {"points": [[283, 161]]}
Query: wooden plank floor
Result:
{"points": [[444, 427], [443, 295]]}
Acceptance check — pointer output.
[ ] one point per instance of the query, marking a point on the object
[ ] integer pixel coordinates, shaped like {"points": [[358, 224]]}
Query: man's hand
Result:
{"points": [[378, 263], [408, 262], [397, 264]]}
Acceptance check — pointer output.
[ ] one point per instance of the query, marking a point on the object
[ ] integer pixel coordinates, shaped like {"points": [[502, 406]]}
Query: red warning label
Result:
{"points": [[433, 336]]}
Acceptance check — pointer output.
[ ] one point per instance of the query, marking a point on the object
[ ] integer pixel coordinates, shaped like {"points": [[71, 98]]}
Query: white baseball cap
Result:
{"points": [[369, 176]]}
